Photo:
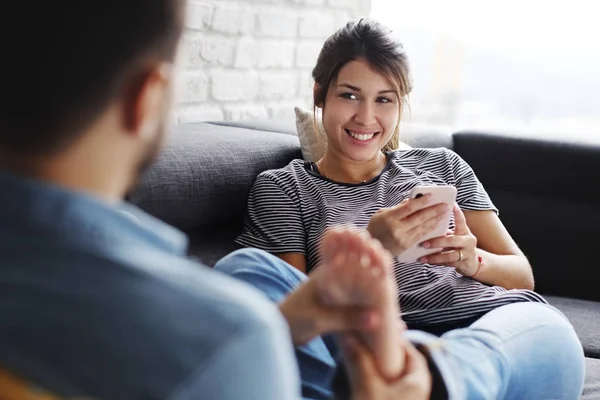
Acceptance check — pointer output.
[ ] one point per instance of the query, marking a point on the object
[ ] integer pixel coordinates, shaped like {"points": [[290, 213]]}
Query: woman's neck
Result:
{"points": [[347, 171]]}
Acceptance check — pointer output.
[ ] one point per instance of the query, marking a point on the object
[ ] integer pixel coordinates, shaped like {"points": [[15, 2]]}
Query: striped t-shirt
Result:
{"points": [[290, 208]]}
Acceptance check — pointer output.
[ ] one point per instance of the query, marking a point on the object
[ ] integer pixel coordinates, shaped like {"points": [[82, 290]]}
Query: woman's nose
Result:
{"points": [[365, 114]]}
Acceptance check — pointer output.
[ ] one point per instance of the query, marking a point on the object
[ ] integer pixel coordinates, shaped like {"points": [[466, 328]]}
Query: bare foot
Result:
{"points": [[356, 271]]}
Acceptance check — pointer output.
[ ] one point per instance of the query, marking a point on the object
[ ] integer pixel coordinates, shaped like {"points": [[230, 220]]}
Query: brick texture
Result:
{"points": [[246, 59]]}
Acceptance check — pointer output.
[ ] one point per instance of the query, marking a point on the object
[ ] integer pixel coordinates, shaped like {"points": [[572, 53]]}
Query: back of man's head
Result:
{"points": [[70, 59]]}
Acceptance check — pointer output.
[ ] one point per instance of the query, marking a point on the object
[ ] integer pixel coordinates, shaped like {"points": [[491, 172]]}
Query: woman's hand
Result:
{"points": [[367, 383], [460, 248], [400, 227]]}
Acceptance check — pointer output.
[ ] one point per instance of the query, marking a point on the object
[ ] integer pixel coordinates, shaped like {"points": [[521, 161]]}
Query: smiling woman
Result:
{"points": [[361, 118], [480, 278], [379, 54], [362, 85]]}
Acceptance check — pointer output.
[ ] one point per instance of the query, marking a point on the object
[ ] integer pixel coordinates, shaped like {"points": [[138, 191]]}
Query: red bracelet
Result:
{"points": [[480, 259]]}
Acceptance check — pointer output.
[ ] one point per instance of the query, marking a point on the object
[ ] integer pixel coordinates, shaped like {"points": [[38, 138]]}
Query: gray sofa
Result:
{"points": [[545, 190]]}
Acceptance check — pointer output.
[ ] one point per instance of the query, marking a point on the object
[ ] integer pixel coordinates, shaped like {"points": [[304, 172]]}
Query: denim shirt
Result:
{"points": [[99, 301]]}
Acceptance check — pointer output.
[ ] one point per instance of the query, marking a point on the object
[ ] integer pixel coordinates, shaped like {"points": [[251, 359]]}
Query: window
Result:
{"points": [[525, 65]]}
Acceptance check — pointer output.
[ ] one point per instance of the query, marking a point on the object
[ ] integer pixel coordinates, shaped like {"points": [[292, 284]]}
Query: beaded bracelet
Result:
{"points": [[480, 259]]}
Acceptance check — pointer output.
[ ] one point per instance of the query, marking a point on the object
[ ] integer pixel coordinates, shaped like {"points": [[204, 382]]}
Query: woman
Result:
{"points": [[362, 84]]}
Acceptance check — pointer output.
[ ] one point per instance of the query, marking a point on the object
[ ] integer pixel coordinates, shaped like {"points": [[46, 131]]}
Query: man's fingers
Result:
{"points": [[416, 362], [362, 371], [348, 319], [416, 373]]}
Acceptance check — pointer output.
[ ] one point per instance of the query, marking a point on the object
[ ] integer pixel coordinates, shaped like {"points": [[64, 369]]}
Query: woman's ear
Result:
{"points": [[318, 96]]}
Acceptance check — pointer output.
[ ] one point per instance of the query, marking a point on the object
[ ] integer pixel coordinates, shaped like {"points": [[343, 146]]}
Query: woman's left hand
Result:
{"points": [[460, 248]]}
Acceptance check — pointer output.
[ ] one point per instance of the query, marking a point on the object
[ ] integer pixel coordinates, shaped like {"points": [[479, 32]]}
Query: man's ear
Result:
{"points": [[144, 102]]}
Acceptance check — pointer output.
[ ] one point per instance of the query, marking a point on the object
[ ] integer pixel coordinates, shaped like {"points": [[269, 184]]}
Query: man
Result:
{"points": [[95, 303]]}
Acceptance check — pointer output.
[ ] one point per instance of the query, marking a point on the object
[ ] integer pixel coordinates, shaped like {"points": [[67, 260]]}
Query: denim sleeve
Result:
{"points": [[257, 363]]}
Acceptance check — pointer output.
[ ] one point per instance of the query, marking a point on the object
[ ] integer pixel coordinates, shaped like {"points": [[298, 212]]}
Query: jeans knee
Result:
{"points": [[258, 261], [564, 352], [573, 356], [242, 259]]}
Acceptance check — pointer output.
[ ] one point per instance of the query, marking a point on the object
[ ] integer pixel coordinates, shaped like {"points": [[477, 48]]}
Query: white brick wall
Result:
{"points": [[244, 59]]}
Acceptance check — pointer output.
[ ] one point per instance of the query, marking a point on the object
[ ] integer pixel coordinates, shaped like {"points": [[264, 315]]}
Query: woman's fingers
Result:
{"points": [[443, 258], [452, 241], [417, 232], [410, 206], [424, 220]]}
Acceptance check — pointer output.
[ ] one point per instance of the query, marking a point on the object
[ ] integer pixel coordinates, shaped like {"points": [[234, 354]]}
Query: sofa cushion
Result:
{"points": [[585, 317], [591, 390], [287, 126], [413, 134], [204, 174], [209, 244]]}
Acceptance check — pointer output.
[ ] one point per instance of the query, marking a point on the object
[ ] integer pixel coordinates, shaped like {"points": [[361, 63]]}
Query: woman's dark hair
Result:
{"points": [[371, 41]]}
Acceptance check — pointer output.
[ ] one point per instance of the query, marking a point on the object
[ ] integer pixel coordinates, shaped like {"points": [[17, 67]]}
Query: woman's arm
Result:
{"points": [[481, 233], [504, 264]]}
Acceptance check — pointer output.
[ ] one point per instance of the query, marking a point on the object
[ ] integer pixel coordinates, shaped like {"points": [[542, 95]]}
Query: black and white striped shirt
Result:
{"points": [[290, 208]]}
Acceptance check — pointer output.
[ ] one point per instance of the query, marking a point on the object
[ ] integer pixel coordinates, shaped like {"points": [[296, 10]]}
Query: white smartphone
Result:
{"points": [[441, 194]]}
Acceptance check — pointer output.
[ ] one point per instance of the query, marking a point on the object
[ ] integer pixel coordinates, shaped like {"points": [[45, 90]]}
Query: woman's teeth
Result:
{"points": [[360, 136]]}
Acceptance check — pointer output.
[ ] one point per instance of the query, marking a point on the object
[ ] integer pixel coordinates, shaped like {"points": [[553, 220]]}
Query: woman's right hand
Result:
{"points": [[400, 227]]}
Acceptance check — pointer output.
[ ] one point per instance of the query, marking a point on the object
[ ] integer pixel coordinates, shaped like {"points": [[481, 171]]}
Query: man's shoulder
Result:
{"points": [[149, 312]]}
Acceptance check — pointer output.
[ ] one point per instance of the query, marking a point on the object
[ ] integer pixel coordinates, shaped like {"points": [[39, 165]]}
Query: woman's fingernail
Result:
{"points": [[426, 245], [423, 260]]}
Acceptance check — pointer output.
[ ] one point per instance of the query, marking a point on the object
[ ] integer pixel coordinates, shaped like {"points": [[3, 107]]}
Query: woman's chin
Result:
{"points": [[362, 154]]}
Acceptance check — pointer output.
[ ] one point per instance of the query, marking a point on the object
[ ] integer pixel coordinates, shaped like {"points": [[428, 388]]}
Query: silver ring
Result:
{"points": [[460, 256]]}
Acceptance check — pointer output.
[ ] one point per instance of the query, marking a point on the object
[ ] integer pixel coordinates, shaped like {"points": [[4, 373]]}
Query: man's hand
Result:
{"points": [[308, 319], [367, 383]]}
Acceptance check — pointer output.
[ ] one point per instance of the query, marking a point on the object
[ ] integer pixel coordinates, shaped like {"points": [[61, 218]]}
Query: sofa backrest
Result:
{"points": [[546, 190], [548, 194], [204, 174]]}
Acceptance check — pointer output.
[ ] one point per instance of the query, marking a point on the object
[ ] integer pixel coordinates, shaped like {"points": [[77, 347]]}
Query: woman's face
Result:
{"points": [[360, 112]]}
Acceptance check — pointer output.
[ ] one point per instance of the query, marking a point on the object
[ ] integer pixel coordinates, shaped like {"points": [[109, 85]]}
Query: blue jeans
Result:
{"points": [[518, 351]]}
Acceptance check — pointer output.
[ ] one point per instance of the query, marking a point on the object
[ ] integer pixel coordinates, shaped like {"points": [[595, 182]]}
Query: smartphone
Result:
{"points": [[440, 194]]}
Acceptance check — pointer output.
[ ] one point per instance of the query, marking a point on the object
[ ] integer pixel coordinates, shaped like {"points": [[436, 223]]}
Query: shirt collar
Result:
{"points": [[81, 218]]}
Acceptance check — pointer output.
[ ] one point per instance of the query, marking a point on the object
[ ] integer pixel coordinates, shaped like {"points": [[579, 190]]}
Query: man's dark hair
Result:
{"points": [[67, 60]]}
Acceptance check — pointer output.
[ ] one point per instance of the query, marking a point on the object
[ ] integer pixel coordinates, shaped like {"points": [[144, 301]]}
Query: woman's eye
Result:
{"points": [[350, 96], [384, 100]]}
